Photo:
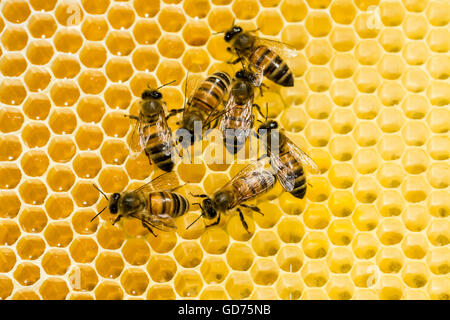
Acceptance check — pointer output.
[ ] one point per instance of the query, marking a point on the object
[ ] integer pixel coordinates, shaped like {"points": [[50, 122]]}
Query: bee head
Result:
{"points": [[113, 204], [232, 32], [208, 209], [267, 127], [151, 94]]}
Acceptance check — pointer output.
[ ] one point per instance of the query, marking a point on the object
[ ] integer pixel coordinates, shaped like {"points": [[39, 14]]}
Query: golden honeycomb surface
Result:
{"points": [[370, 105]]}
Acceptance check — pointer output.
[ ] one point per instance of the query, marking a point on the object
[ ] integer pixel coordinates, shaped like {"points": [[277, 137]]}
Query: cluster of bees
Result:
{"points": [[156, 203]]}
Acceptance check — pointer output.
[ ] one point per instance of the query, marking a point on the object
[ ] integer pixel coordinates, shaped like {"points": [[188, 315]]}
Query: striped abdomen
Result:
{"points": [[252, 184], [273, 67], [210, 93], [158, 143], [236, 125], [167, 203], [292, 169]]}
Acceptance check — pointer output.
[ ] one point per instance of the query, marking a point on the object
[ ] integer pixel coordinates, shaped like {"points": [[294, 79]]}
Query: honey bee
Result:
{"points": [[249, 183], [154, 203], [202, 105], [286, 159], [155, 136], [261, 54], [238, 117]]}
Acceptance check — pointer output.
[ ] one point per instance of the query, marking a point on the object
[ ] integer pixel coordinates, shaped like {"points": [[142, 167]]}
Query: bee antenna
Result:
{"points": [[267, 111], [166, 84], [106, 197], [98, 214], [259, 121], [216, 33], [195, 220], [232, 24]]}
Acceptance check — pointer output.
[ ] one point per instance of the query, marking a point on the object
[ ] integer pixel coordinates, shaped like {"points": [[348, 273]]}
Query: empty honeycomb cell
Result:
{"points": [[10, 176], [37, 79], [161, 292], [343, 65], [390, 203], [390, 231], [88, 137], [436, 40], [110, 237], [438, 147], [136, 252], [366, 161], [439, 67], [314, 294], [16, 11], [14, 38], [436, 93], [81, 222], [121, 16], [146, 59], [188, 254], [56, 262], [342, 148], [214, 241], [438, 260], [340, 260], [27, 273], [13, 64], [343, 11], [315, 273], [43, 5], [25, 294], [264, 272], [33, 191], [264, 293], [116, 96], [194, 59], [318, 79], [39, 52], [138, 168], [438, 288], [415, 27], [415, 189], [92, 82], [213, 180], [245, 9], [272, 214], [141, 82], [391, 288], [191, 173], [415, 53], [33, 220], [30, 247], [239, 285], [368, 52], [58, 234], [59, 206], [317, 133], [94, 28], [219, 19], [342, 176], [366, 189], [415, 246], [214, 270], [269, 23], [365, 246], [315, 245], [64, 93], [188, 283], [289, 287], [293, 119], [391, 67], [391, 147], [290, 230], [438, 175], [42, 25], [415, 218], [367, 80], [115, 125], [415, 106], [341, 203], [366, 107], [196, 33], [82, 278], [390, 260], [161, 268], [438, 120], [415, 80], [83, 250], [318, 51], [340, 287], [6, 287], [236, 229], [415, 160], [91, 109], [439, 232], [437, 13], [340, 232], [390, 120], [343, 93], [118, 70], [343, 39], [290, 258], [240, 256], [318, 4], [392, 41], [437, 204], [366, 217], [7, 259], [316, 216]]}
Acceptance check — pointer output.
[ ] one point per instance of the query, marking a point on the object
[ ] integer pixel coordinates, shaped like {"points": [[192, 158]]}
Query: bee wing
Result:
{"points": [[191, 85], [283, 172], [253, 168], [284, 50], [162, 222], [164, 182], [302, 157]]}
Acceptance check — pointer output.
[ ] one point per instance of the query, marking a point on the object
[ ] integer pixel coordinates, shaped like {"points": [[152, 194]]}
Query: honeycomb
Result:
{"points": [[370, 105]]}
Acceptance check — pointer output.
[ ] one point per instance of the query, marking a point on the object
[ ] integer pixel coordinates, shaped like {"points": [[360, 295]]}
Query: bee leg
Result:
{"points": [[241, 216], [132, 117], [259, 110], [148, 156], [177, 187], [117, 219], [263, 157], [253, 208], [146, 226], [198, 195], [214, 223], [174, 112], [235, 61]]}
